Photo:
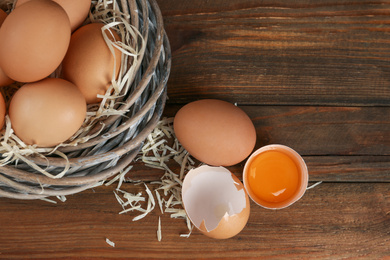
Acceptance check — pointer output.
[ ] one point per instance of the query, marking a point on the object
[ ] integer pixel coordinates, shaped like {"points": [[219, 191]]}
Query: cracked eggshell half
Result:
{"points": [[215, 201]]}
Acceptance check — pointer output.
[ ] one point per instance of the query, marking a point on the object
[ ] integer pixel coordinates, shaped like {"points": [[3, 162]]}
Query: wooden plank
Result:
{"points": [[313, 131], [321, 168], [330, 221], [349, 168], [339, 144], [312, 75], [267, 52]]}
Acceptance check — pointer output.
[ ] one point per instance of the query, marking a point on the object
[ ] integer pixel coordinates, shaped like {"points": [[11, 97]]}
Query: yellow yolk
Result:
{"points": [[273, 176]]}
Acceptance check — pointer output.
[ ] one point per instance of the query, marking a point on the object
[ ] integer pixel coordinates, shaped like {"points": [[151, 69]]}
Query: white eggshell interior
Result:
{"points": [[210, 193]]}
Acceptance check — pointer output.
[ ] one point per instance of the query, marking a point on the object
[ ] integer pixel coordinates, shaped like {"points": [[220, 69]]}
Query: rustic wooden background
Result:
{"points": [[313, 75]]}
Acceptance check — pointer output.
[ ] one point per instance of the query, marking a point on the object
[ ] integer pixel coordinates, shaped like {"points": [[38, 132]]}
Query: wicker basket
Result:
{"points": [[118, 144]]}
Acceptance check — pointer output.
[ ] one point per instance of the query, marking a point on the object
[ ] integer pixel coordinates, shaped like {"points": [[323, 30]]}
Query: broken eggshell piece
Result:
{"points": [[215, 201]]}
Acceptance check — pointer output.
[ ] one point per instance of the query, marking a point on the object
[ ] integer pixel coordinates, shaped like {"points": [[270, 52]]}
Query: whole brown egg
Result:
{"points": [[3, 15], [215, 132], [4, 79], [3, 110], [47, 112], [77, 10], [33, 40], [89, 63]]}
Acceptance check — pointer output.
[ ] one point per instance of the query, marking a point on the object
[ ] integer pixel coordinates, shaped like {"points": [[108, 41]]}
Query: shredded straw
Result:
{"points": [[314, 185], [108, 241], [157, 153], [159, 236], [132, 46]]}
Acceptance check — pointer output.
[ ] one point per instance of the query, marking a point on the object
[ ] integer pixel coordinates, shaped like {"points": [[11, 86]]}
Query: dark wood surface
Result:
{"points": [[313, 75]]}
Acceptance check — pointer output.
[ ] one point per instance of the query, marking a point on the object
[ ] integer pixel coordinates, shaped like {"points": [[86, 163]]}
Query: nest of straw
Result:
{"points": [[115, 129]]}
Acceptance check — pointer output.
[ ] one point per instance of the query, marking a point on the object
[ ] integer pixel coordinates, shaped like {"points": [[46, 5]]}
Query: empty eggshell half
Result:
{"points": [[215, 201]]}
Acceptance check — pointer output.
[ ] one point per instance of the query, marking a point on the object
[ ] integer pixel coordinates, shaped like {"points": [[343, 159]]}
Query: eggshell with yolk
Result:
{"points": [[89, 63], [215, 201], [215, 132], [278, 178]]}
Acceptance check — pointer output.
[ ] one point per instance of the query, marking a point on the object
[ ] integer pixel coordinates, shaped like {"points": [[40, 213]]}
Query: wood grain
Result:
{"points": [[321, 168], [313, 75], [320, 130], [339, 144], [321, 224], [286, 52]]}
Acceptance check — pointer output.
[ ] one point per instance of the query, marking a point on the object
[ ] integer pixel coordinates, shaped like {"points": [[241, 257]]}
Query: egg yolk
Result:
{"points": [[273, 176]]}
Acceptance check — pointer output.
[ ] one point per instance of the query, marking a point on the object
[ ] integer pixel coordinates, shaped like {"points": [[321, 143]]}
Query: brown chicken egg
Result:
{"points": [[215, 132], [89, 63], [34, 39], [77, 10], [3, 15], [4, 79], [215, 201], [3, 110], [47, 112]]}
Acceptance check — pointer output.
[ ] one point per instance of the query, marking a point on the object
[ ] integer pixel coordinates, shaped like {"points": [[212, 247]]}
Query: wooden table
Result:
{"points": [[312, 75]]}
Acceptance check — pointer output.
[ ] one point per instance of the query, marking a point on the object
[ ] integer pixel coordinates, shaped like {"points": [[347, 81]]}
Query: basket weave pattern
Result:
{"points": [[122, 137]]}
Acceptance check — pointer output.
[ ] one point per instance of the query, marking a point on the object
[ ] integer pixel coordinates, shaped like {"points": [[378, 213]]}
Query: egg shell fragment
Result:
{"points": [[215, 132], [215, 201], [77, 10], [89, 63], [34, 39], [47, 112]]}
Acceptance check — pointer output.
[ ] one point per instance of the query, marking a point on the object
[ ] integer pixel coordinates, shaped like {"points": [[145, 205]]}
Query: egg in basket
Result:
{"points": [[80, 94]]}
